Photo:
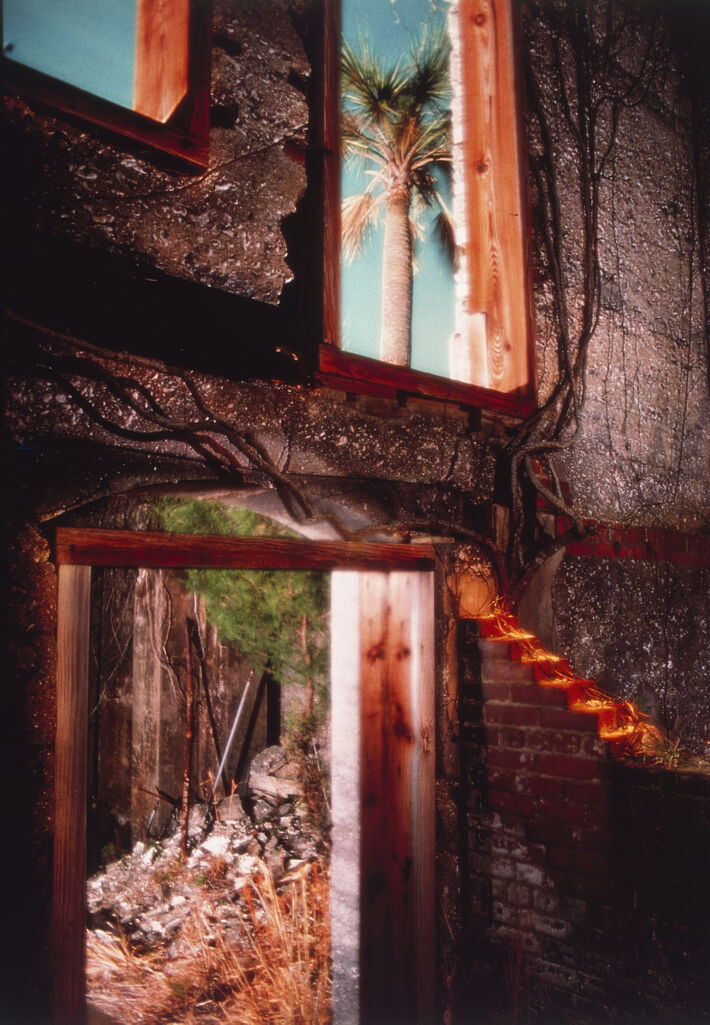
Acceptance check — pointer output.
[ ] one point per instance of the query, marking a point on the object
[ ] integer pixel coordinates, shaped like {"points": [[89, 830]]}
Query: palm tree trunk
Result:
{"points": [[396, 325]]}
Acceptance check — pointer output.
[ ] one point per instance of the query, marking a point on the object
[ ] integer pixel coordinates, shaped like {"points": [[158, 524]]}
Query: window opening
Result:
{"points": [[433, 219], [139, 67]]}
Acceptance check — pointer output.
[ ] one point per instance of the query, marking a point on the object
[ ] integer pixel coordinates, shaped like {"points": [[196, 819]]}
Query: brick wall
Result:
{"points": [[588, 877]]}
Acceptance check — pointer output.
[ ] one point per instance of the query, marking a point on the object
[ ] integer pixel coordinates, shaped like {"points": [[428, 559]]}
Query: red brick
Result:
{"points": [[496, 691], [546, 668], [510, 714], [502, 869], [576, 861], [489, 628], [511, 737], [555, 927], [555, 833], [567, 811], [538, 695], [595, 747], [514, 804], [515, 760], [503, 779], [519, 895], [492, 734], [566, 719], [546, 900], [504, 669], [555, 741], [592, 793], [568, 767], [498, 887], [494, 648], [540, 786], [510, 826]]}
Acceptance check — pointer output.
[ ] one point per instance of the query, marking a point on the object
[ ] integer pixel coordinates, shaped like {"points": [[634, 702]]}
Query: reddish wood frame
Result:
{"points": [[183, 137], [77, 550], [498, 143]]}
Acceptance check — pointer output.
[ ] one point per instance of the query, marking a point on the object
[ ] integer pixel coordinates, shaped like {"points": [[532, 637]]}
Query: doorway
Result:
{"points": [[383, 755]]}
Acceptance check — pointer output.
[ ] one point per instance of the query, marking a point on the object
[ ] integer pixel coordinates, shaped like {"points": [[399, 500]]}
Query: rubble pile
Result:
{"points": [[147, 899]]}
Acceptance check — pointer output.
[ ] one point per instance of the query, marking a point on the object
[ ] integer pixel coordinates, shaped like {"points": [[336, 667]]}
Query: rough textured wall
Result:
{"points": [[640, 630], [617, 133], [614, 141], [221, 228], [28, 767], [79, 439], [418, 463]]}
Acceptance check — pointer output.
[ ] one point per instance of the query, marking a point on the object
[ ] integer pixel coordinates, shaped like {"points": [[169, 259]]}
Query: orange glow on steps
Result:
{"points": [[629, 732]]}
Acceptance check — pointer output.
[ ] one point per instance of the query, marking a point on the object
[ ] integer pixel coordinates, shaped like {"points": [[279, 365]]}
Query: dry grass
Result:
{"points": [[277, 974]]}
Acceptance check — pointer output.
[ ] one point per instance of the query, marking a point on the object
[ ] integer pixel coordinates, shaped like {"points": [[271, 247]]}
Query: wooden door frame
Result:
{"points": [[77, 551]]}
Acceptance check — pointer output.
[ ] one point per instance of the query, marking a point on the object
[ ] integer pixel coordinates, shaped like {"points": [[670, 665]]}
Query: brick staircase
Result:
{"points": [[583, 853], [512, 654]]}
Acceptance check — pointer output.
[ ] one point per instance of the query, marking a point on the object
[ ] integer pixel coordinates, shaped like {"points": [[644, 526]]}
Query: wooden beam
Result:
{"points": [[397, 771], [69, 902], [184, 136], [329, 145], [150, 549], [498, 301], [350, 372], [162, 50], [421, 626]]}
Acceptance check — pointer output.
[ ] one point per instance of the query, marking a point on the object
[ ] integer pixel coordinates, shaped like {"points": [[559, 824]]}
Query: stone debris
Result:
{"points": [[147, 895]]}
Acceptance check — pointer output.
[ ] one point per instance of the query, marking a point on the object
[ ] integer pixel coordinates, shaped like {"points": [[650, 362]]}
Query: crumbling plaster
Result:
{"points": [[221, 228], [643, 450], [639, 629]]}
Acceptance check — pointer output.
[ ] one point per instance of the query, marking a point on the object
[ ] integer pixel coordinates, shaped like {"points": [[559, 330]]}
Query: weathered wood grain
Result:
{"points": [[183, 137], [78, 546], [162, 52], [70, 794], [421, 625], [397, 838], [495, 209], [330, 156], [350, 372]]}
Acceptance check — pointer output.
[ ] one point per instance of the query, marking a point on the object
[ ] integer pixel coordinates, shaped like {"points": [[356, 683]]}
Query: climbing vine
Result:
{"points": [[592, 64]]}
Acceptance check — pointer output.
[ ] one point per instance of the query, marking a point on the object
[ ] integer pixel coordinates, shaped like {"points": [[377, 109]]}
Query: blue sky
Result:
{"points": [[87, 43], [389, 25]]}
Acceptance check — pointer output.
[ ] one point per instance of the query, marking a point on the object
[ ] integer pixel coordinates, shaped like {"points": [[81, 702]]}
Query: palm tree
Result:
{"points": [[396, 122]]}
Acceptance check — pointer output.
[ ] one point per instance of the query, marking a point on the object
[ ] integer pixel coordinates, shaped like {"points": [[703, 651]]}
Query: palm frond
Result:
{"points": [[360, 213], [429, 61], [444, 231], [396, 119]]}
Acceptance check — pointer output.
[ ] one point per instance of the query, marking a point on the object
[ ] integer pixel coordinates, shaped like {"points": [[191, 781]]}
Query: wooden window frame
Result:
{"points": [[487, 156], [183, 137], [413, 930]]}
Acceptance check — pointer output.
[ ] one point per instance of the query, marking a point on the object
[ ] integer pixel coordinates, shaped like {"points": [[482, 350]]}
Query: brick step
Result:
{"points": [[518, 673], [506, 671]]}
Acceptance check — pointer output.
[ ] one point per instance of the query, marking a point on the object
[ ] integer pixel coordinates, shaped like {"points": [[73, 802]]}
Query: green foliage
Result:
{"points": [[274, 618]]}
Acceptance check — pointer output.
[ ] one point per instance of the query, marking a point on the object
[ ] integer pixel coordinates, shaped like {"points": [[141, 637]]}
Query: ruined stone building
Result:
{"points": [[171, 329]]}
